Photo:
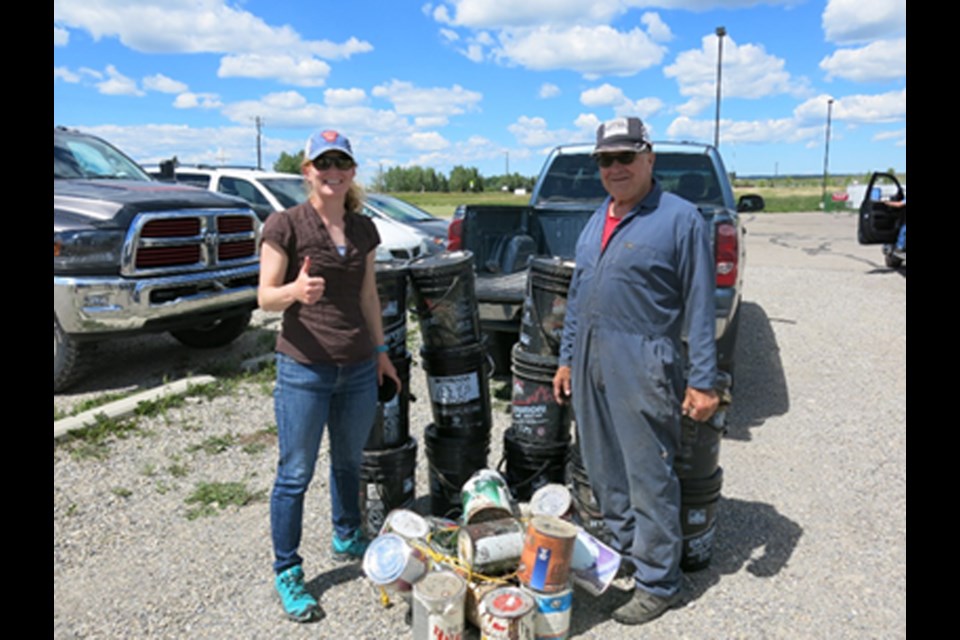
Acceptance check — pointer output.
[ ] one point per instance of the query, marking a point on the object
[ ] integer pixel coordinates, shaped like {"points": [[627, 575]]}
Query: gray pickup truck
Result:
{"points": [[567, 192], [132, 255]]}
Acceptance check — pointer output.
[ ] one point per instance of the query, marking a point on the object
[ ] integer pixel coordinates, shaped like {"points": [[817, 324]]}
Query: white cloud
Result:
{"points": [[408, 99], [65, 74], [301, 72], [428, 141], [163, 84], [656, 27], [851, 21], [61, 37], [605, 95], [745, 131], [857, 109], [879, 60], [344, 97], [190, 100], [118, 84], [549, 90], [534, 132], [748, 71], [591, 51]]}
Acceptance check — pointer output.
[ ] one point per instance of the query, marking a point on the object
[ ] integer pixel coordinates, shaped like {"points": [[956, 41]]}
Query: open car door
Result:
{"points": [[879, 222]]}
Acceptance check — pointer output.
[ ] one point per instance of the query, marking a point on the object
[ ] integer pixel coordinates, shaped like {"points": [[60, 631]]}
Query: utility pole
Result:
{"points": [[826, 156], [259, 122]]}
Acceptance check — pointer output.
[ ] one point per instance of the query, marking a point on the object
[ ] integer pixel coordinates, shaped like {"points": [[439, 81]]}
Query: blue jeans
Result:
{"points": [[306, 398]]}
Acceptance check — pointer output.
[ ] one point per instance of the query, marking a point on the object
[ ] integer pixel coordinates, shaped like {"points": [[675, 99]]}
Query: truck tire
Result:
{"points": [[215, 334], [727, 345], [70, 358]]}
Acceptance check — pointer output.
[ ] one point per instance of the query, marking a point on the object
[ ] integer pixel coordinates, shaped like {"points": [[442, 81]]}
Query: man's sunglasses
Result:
{"points": [[343, 163], [606, 160]]}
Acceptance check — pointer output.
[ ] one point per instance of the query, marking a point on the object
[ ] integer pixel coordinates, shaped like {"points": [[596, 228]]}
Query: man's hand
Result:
{"points": [[698, 404], [561, 385]]}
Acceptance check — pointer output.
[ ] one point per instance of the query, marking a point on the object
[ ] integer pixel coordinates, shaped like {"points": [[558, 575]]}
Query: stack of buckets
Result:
{"points": [[457, 367], [536, 444], [387, 473]]}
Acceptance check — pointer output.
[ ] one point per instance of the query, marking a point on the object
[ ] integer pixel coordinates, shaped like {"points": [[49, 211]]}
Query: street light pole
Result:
{"points": [[721, 31], [826, 155]]}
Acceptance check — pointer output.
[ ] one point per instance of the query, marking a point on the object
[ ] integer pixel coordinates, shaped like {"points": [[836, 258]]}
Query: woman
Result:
{"points": [[317, 267]]}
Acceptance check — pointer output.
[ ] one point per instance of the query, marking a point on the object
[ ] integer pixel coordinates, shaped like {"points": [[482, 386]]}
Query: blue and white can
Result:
{"points": [[552, 617]]}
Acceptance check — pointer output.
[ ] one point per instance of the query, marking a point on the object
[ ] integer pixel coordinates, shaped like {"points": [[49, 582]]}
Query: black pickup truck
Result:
{"points": [[567, 192], [132, 255]]}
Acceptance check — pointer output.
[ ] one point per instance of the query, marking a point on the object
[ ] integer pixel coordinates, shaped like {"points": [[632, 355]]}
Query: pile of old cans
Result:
{"points": [[507, 569]]}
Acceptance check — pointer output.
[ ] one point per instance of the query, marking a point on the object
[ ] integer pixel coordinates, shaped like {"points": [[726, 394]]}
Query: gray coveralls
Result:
{"points": [[627, 308]]}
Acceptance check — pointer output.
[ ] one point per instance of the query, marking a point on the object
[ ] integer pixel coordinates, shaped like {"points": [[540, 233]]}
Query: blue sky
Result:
{"points": [[485, 83]]}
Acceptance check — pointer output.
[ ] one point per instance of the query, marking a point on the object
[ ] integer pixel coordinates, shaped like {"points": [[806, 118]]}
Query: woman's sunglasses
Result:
{"points": [[343, 163], [606, 160]]}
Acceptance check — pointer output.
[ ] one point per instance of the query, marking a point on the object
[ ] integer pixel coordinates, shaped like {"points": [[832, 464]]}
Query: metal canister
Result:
{"points": [[547, 551], [476, 592], [438, 606], [594, 564], [552, 616], [393, 564], [508, 614], [493, 547], [552, 499], [485, 496], [407, 524]]}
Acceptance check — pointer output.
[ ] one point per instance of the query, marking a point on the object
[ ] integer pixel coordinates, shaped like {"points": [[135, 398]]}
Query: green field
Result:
{"points": [[779, 199]]}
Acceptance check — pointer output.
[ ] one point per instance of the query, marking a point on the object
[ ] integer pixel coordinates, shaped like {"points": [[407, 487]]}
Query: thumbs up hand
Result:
{"points": [[308, 289]]}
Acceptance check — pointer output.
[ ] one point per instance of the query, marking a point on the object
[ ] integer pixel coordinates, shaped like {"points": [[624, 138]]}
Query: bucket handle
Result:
{"points": [[440, 476], [529, 478], [431, 307]]}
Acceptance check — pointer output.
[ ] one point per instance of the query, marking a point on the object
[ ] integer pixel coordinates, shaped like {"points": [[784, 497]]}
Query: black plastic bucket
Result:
{"points": [[452, 459], [530, 465], [586, 508], [457, 382], [445, 299], [536, 415], [391, 427], [392, 290], [699, 452], [699, 498], [545, 305], [387, 482]]}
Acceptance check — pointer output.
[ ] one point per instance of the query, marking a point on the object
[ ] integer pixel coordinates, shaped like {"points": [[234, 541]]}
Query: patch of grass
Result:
{"points": [[92, 442], [210, 496], [121, 492], [178, 470], [214, 444], [72, 509], [91, 403]]}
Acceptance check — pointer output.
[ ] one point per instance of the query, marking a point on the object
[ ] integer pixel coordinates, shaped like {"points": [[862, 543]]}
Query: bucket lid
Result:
{"points": [[508, 602], [440, 586], [385, 558], [440, 261], [551, 499]]}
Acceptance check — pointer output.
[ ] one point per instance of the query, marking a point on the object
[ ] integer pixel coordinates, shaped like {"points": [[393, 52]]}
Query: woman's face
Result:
{"points": [[330, 174]]}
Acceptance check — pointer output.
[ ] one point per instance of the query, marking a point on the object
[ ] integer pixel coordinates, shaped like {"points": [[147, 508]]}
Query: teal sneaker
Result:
{"points": [[350, 548], [298, 604]]}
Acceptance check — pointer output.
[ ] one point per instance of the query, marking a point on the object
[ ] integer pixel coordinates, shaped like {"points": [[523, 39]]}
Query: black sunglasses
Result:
{"points": [[606, 160], [343, 163]]}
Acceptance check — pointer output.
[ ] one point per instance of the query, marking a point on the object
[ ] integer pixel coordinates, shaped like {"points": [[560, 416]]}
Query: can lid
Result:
{"points": [[553, 527], [385, 558], [406, 523], [551, 500], [508, 602], [440, 585]]}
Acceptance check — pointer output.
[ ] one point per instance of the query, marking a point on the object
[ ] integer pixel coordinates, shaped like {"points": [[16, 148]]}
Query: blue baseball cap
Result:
{"points": [[327, 140]]}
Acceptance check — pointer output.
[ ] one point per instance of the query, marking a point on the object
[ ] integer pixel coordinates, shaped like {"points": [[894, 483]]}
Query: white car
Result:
{"points": [[269, 191]]}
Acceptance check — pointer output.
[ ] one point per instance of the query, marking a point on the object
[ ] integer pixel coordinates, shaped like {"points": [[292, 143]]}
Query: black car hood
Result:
{"points": [[108, 203]]}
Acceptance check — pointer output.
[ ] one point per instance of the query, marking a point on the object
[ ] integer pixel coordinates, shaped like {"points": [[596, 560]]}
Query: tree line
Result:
{"points": [[416, 178]]}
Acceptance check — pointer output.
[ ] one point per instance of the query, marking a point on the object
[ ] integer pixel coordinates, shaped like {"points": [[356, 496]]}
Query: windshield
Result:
{"points": [[289, 192], [86, 157], [399, 210]]}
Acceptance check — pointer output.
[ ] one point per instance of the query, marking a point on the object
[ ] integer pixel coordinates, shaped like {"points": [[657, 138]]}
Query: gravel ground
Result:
{"points": [[811, 537]]}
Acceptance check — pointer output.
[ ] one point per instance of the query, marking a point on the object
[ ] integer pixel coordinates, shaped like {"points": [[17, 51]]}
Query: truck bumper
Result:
{"points": [[104, 305]]}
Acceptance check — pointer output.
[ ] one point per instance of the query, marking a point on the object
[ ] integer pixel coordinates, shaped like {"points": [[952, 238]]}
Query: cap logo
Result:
{"points": [[617, 127], [330, 136]]}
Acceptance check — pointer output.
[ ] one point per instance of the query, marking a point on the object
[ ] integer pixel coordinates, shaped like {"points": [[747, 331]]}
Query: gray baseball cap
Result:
{"points": [[622, 134]]}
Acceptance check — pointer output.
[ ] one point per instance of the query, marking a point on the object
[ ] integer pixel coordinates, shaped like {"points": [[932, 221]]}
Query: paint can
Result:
{"points": [[594, 564], [552, 499], [473, 604], [547, 551], [485, 496], [438, 606], [407, 524], [493, 547], [507, 614], [391, 563], [552, 614]]}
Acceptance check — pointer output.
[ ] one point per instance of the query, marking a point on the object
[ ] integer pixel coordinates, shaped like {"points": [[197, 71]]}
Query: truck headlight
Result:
{"points": [[87, 251]]}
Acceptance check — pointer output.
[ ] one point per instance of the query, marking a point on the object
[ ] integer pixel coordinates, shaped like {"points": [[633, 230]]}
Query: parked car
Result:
{"points": [[434, 229], [132, 256], [269, 191], [882, 215]]}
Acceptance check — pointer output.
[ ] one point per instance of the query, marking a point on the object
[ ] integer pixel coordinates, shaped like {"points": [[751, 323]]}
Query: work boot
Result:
{"points": [[644, 607]]}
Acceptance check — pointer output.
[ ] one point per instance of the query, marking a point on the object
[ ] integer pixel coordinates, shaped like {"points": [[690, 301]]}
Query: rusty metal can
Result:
{"points": [[547, 551], [485, 496], [508, 614], [493, 547]]}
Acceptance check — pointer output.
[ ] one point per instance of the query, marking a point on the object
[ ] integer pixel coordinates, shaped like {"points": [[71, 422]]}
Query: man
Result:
{"points": [[644, 271]]}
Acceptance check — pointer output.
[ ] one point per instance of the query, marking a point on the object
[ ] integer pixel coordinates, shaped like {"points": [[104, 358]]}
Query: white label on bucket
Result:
{"points": [[454, 389]]}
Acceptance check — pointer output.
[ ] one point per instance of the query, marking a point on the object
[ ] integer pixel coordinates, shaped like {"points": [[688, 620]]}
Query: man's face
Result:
{"points": [[627, 182]]}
